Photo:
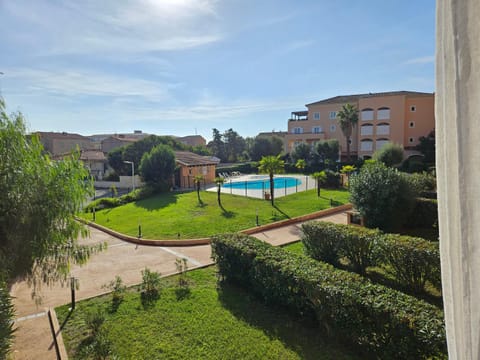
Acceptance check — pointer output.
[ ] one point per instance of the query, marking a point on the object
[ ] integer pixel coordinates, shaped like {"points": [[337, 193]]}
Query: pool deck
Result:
{"points": [[307, 183]]}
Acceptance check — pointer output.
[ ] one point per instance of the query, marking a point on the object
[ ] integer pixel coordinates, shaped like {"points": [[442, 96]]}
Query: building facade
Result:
{"points": [[59, 143], [400, 117]]}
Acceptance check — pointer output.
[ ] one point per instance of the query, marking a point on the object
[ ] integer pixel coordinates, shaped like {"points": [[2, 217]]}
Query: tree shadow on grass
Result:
{"points": [[281, 211], [158, 201], [227, 213], [301, 335]]}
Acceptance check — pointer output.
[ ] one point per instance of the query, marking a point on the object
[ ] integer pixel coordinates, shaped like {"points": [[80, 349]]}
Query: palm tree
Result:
{"points": [[348, 169], [219, 181], [301, 164], [321, 178], [198, 181], [271, 165], [348, 118]]}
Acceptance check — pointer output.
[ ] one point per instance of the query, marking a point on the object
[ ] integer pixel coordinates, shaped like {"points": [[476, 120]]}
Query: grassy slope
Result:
{"points": [[167, 215], [211, 323]]}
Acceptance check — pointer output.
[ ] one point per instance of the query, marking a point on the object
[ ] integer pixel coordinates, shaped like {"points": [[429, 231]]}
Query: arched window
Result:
{"points": [[366, 145], [383, 129], [366, 130], [381, 143], [367, 114], [383, 113]]}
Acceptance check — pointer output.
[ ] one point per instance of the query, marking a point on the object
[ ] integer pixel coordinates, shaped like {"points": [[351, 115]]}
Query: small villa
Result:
{"points": [[190, 165]]}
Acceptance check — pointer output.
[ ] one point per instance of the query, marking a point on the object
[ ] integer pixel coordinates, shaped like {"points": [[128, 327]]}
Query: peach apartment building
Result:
{"points": [[400, 117]]}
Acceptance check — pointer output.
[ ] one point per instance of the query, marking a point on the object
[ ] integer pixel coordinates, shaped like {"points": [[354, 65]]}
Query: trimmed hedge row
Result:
{"points": [[413, 261], [111, 202], [424, 214], [385, 321]]}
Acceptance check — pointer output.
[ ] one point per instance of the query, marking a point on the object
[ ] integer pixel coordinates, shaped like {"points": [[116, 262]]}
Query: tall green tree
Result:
{"points": [[327, 151], [234, 145], [217, 146], [157, 167], [38, 200], [302, 151], [427, 147], [271, 165], [390, 154], [347, 119]]}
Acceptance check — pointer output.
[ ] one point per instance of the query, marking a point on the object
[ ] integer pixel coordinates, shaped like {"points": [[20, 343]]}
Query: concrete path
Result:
{"points": [[33, 337]]}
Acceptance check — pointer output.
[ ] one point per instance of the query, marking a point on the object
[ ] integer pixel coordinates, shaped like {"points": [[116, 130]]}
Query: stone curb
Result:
{"points": [[206, 241], [56, 335]]}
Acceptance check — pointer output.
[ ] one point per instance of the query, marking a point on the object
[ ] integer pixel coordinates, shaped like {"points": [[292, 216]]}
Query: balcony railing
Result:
{"points": [[306, 119]]}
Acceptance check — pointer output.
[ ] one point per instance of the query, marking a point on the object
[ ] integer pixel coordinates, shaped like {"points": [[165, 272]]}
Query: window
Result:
{"points": [[366, 145], [366, 130], [317, 129], [297, 130], [383, 113], [333, 128], [411, 140], [333, 115], [383, 129], [316, 116], [366, 114], [413, 108], [411, 124], [381, 143]]}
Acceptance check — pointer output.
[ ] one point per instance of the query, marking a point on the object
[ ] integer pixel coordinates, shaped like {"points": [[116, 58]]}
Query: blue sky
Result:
{"points": [[176, 67]]}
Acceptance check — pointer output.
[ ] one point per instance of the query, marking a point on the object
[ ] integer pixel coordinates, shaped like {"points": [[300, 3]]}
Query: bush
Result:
{"points": [[333, 179], [390, 154], [326, 241], [424, 214], [321, 241], [150, 287], [422, 182], [107, 202], [367, 247], [385, 321], [413, 261], [118, 291], [382, 195]]}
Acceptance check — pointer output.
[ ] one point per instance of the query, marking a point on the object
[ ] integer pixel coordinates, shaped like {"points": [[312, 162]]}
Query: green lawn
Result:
{"points": [[211, 323], [180, 215]]}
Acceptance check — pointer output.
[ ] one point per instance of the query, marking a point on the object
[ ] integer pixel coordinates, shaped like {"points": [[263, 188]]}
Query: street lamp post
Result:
{"points": [[133, 175]]}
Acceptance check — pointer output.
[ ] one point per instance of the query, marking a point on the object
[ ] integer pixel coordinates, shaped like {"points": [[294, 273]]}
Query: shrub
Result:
{"points": [[424, 214], [387, 322], [94, 321], [245, 168], [413, 261], [390, 154], [382, 195], [333, 179], [321, 241], [327, 241], [422, 182], [118, 291], [150, 287], [107, 202]]}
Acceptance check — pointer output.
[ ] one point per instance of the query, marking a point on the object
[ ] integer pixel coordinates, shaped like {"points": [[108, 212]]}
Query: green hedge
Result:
{"points": [[385, 321], [245, 168], [412, 261], [424, 214], [329, 242], [111, 202]]}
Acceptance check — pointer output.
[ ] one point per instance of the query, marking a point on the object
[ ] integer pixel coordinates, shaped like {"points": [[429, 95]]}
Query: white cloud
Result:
{"points": [[131, 26], [70, 83], [421, 60]]}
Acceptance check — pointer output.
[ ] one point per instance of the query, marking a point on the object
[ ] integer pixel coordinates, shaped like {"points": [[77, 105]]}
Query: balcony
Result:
{"points": [[299, 116]]}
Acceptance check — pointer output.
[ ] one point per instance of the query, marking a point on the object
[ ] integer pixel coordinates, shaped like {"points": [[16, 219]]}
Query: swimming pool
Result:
{"points": [[263, 183]]}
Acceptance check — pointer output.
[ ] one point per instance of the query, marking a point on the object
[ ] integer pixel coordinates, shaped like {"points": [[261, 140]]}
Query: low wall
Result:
{"points": [[206, 241], [124, 183]]}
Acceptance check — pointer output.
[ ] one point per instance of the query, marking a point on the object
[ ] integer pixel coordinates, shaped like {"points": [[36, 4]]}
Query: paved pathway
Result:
{"points": [[33, 337]]}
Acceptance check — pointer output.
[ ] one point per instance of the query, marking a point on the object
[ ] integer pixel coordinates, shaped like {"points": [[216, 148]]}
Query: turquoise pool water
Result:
{"points": [[263, 184]]}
